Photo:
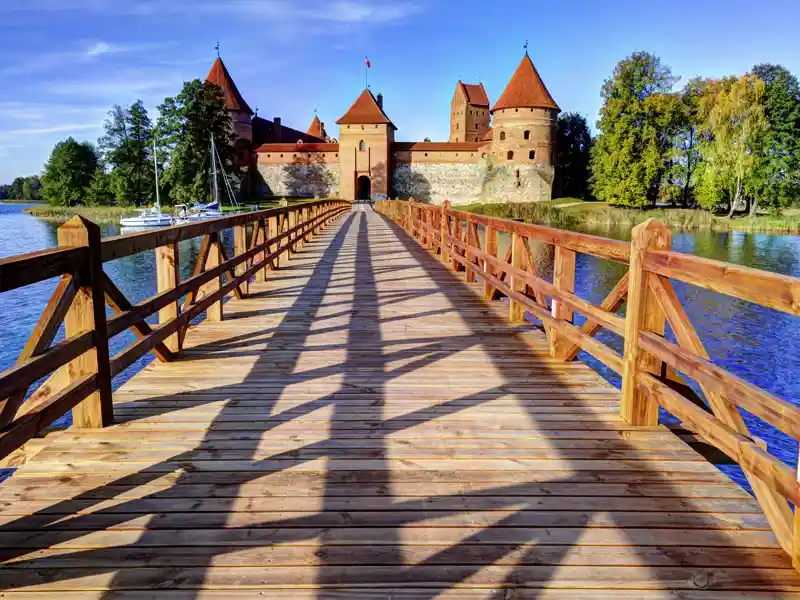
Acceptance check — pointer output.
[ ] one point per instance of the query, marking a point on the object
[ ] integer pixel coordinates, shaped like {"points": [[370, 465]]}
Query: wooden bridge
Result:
{"points": [[370, 421]]}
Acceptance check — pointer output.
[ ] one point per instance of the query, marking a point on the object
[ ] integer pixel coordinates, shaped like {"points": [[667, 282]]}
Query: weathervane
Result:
{"points": [[217, 49], [526, 47]]}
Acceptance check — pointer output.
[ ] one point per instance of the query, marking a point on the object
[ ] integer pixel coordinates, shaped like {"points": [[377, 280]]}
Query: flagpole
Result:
{"points": [[366, 72]]}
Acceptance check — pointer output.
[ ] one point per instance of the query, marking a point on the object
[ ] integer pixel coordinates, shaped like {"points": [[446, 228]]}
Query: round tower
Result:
{"points": [[524, 120]]}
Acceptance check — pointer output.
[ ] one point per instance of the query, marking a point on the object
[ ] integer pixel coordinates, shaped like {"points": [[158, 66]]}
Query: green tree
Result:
{"points": [[126, 148], [4, 191], [100, 191], [637, 122], [685, 145], [733, 125], [25, 188], [777, 171], [15, 190], [69, 172], [573, 147], [185, 125]]}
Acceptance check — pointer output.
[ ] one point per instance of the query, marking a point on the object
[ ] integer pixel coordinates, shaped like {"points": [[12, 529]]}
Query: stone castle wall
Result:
{"points": [[465, 183], [299, 180]]}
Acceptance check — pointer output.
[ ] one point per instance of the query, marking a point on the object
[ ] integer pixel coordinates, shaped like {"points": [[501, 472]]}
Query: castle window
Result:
{"points": [[502, 136], [516, 175], [309, 155], [268, 155], [281, 155], [510, 155], [476, 125], [527, 135], [362, 127], [458, 126], [337, 155], [483, 154], [532, 154], [516, 110], [426, 154], [362, 146]]}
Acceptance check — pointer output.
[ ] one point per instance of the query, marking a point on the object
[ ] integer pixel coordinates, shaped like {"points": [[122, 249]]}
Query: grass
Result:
{"points": [[96, 214], [601, 214]]}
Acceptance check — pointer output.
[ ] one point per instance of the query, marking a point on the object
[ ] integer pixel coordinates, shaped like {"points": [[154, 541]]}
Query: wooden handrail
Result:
{"points": [[452, 234], [80, 369]]}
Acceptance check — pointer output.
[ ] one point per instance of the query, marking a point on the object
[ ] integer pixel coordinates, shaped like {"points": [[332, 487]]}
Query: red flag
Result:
{"points": [[369, 64]]}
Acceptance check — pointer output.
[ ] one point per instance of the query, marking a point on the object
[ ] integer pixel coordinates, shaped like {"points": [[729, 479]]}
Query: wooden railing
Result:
{"points": [[80, 368], [651, 365]]}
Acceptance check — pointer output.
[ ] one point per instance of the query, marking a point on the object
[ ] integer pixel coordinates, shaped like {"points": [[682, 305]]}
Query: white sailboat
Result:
{"points": [[149, 217], [213, 209]]}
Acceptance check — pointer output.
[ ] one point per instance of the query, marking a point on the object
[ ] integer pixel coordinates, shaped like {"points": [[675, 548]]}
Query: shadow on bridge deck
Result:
{"points": [[365, 425]]}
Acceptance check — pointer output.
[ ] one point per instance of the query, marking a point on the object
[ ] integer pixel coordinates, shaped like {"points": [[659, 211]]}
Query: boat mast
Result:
{"points": [[155, 166], [215, 190]]}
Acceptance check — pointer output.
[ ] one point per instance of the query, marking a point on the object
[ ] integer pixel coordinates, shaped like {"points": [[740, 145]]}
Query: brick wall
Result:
{"points": [[465, 183], [303, 180]]}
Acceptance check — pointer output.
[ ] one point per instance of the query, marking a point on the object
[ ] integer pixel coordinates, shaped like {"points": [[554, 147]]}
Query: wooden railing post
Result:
{"points": [[643, 314], [491, 249], [454, 249], [88, 313], [410, 219], [443, 232], [214, 312], [563, 280], [515, 310], [272, 233], [292, 215], [239, 248], [168, 277]]}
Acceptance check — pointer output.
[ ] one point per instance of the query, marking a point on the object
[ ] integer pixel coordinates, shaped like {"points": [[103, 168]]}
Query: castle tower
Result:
{"points": [[237, 107], [469, 113], [317, 129], [525, 115], [365, 138]]}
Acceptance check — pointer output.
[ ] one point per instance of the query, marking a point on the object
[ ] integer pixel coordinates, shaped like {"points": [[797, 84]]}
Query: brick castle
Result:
{"points": [[494, 154]]}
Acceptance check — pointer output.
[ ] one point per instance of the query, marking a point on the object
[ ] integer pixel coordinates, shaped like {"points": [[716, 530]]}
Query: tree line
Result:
{"points": [[119, 168], [22, 188], [728, 144]]}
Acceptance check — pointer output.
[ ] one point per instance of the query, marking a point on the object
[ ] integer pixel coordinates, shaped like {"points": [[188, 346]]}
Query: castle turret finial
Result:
{"points": [[217, 49], [526, 47]]}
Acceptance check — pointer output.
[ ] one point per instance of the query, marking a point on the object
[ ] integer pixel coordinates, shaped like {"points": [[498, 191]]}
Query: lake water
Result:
{"points": [[758, 344]]}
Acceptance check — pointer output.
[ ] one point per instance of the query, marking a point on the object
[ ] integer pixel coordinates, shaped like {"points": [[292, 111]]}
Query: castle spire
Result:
{"points": [[219, 75], [525, 89]]}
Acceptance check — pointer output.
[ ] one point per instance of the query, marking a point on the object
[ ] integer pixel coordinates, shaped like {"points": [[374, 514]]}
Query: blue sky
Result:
{"points": [[64, 63]]}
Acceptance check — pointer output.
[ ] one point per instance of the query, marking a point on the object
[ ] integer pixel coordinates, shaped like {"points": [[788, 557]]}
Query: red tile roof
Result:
{"points": [[476, 94], [307, 147], [526, 89], [489, 135], [438, 146], [316, 128], [233, 99], [365, 111]]}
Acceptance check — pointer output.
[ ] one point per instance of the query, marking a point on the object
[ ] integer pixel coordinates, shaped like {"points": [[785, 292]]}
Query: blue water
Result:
{"points": [[21, 308], [758, 344]]}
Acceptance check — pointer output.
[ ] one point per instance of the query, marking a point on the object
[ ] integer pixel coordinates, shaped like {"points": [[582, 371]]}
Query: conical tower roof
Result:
{"points": [[233, 99], [526, 89], [365, 111], [316, 129]]}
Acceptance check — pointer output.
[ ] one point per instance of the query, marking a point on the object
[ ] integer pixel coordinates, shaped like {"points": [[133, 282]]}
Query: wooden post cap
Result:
{"points": [[76, 231]]}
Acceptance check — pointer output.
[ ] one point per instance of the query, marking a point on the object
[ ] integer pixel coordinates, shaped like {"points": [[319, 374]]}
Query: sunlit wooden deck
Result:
{"points": [[364, 425]]}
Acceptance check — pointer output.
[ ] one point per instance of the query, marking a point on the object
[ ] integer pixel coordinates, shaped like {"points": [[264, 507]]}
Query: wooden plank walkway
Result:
{"points": [[366, 426]]}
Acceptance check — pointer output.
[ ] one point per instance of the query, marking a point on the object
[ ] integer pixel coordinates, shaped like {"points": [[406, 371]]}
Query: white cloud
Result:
{"points": [[63, 128], [103, 48], [341, 11]]}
